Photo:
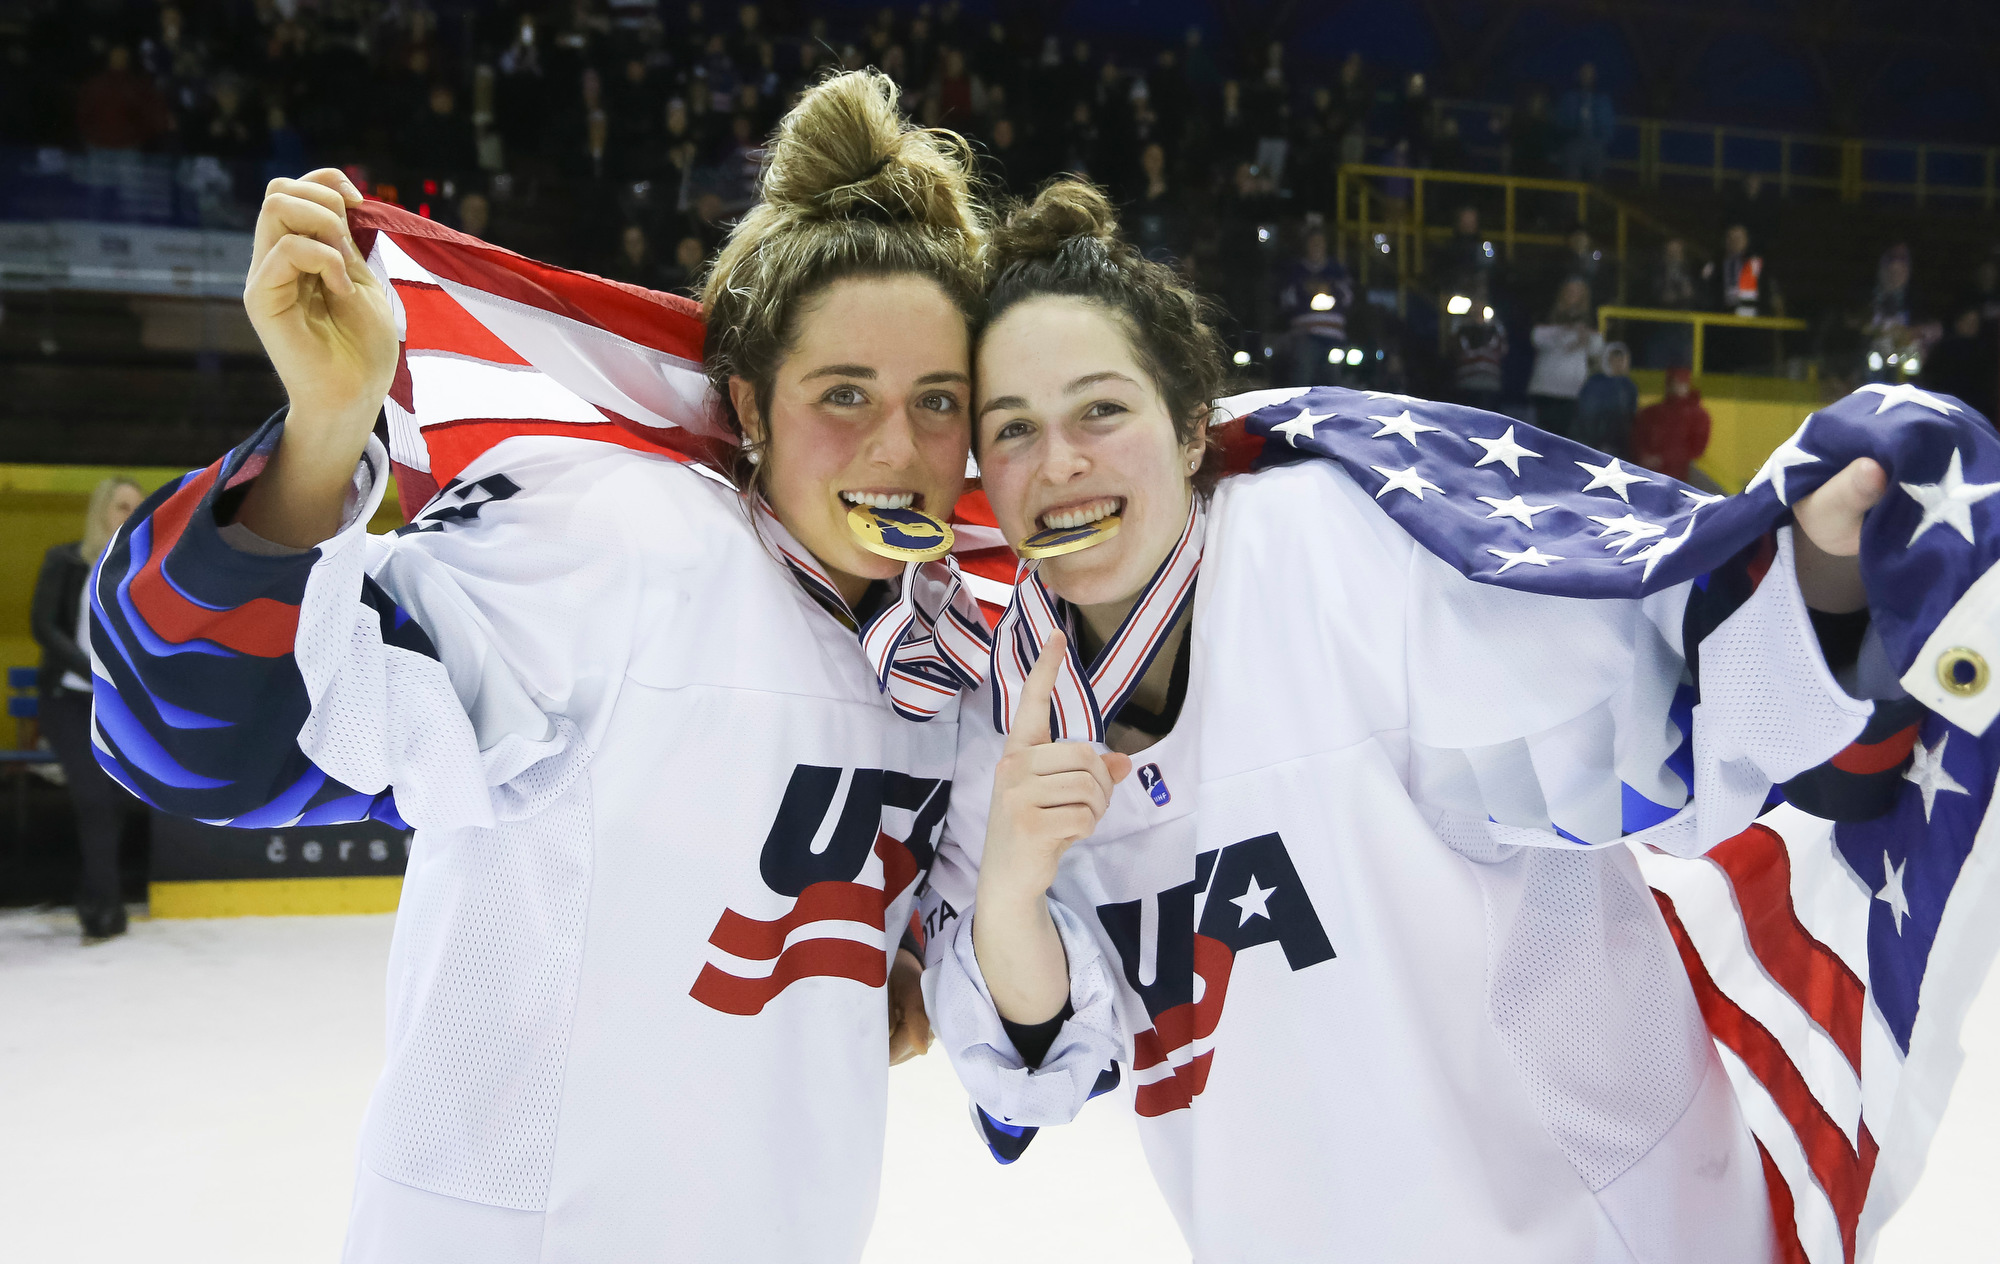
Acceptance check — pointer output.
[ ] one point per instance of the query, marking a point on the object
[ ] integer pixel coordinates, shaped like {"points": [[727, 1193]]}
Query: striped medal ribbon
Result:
{"points": [[1086, 699], [926, 646]]}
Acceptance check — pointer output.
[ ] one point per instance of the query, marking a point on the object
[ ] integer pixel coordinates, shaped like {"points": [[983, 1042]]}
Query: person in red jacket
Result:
{"points": [[1669, 435]]}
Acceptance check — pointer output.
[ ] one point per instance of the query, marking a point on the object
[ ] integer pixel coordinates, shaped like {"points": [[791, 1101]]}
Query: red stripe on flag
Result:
{"points": [[974, 510], [1760, 871], [1877, 756], [453, 445], [664, 322], [1784, 1213], [813, 958], [435, 321], [1240, 448], [1833, 1162], [754, 940], [260, 627], [414, 488]]}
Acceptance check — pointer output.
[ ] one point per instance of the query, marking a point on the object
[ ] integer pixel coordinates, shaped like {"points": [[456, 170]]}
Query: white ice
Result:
{"points": [[190, 1094]]}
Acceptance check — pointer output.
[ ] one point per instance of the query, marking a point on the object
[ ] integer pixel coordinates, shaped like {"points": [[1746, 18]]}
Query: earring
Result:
{"points": [[755, 456]]}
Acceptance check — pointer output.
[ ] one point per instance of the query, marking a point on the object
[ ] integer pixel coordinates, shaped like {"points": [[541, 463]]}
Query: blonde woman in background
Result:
{"points": [[61, 622]]}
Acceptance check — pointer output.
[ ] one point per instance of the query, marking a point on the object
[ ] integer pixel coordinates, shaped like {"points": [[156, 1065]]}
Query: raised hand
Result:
{"points": [[1047, 795], [328, 325], [1828, 540]]}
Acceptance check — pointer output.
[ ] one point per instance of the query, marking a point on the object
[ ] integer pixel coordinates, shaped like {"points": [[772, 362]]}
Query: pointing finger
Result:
{"points": [[1031, 718]]}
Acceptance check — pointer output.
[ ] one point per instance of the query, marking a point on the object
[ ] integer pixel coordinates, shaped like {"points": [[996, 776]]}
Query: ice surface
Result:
{"points": [[190, 1094]]}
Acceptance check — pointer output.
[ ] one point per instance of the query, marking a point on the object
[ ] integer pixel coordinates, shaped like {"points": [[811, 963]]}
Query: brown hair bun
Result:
{"points": [[1066, 244]]}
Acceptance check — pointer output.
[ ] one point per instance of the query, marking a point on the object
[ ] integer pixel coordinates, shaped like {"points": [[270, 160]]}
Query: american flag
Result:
{"points": [[1834, 961]]}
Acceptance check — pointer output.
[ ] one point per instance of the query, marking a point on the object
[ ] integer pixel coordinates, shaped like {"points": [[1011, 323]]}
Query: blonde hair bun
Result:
{"points": [[846, 151]]}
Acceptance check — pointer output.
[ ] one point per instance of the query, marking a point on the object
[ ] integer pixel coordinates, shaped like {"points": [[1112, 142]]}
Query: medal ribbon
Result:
{"points": [[926, 646], [1086, 700]]}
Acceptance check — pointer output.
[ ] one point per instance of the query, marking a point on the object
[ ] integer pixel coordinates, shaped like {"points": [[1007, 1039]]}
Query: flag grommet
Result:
{"points": [[1962, 672]]}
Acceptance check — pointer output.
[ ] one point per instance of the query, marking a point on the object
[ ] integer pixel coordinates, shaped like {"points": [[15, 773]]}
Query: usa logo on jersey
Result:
{"points": [[830, 822], [1243, 896]]}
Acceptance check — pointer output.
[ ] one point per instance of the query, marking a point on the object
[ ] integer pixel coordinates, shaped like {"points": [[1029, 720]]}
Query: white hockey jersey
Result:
{"points": [[667, 824], [1360, 1022]]}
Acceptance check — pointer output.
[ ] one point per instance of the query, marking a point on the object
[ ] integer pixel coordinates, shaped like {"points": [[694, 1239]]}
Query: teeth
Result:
{"points": [[881, 500], [1079, 515]]}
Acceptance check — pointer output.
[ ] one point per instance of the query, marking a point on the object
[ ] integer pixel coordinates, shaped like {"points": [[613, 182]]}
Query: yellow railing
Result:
{"points": [[1701, 322], [1362, 211], [1792, 160]]}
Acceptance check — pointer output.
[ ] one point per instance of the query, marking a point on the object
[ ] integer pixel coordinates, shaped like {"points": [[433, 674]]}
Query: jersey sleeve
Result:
{"points": [[418, 678], [1010, 1097]]}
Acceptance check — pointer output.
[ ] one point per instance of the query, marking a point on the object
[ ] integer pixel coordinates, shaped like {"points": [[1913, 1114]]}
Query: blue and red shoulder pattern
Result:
{"points": [[199, 700]]}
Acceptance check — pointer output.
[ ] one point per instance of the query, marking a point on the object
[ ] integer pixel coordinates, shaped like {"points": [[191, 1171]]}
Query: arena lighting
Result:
{"points": [[1486, 313], [1336, 355], [1458, 305], [1241, 357], [1875, 360], [1322, 302], [1269, 352], [1911, 366], [1486, 247], [1355, 355], [1263, 234]]}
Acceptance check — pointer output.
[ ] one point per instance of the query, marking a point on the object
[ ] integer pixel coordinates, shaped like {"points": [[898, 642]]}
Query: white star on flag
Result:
{"points": [[1927, 770], [1904, 393], [1253, 902], [1402, 425], [1614, 476], [1949, 500], [1515, 508], [1656, 552], [1301, 426], [1401, 399], [1404, 480], [1789, 453], [1701, 498], [1528, 557], [1504, 450], [1631, 527], [1892, 891]]}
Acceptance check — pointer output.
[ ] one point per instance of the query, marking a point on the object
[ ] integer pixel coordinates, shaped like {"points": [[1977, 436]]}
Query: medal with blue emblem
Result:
{"points": [[907, 535], [1056, 541]]}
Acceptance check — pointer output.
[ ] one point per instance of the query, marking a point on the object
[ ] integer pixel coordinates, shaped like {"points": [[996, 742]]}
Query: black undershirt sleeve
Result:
{"points": [[1033, 1041]]}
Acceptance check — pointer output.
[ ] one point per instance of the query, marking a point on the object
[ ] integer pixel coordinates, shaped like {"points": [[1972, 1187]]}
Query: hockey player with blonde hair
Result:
{"points": [[670, 808]]}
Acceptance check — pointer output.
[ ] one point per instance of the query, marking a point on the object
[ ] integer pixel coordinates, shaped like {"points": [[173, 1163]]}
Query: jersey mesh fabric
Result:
{"points": [[468, 1103], [1590, 1002]]}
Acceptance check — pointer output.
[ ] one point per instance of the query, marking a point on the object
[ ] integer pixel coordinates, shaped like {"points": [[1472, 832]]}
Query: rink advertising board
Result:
{"points": [[201, 870]]}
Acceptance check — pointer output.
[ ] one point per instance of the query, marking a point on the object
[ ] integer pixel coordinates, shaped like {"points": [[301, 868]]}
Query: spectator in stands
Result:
{"points": [[1157, 219], [1585, 123], [1531, 138], [1416, 120], [634, 261], [1740, 285], [1565, 344], [119, 108], [1668, 435], [1984, 293], [1965, 362], [1313, 300], [439, 143], [1478, 350], [1468, 259], [60, 616], [684, 273], [1607, 403], [475, 215], [1582, 260], [1672, 286], [1011, 165]]}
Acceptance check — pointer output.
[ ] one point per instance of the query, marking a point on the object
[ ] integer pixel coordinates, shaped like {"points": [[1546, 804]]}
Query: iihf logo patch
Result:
{"points": [[1155, 784]]}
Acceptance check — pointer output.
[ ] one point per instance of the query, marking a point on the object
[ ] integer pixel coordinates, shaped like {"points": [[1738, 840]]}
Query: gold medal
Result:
{"points": [[1056, 541], [907, 535]]}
